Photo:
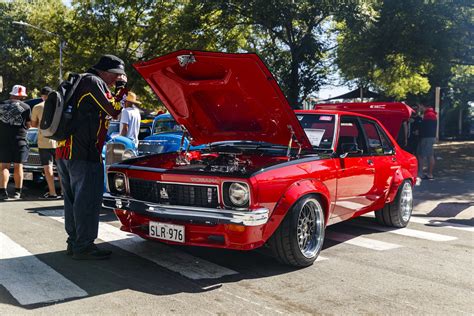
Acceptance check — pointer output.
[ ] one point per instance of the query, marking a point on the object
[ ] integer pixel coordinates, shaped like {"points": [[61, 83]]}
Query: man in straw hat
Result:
{"points": [[15, 117], [130, 118]]}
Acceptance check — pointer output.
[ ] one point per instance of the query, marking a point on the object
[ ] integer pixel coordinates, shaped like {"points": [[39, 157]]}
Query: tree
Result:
{"points": [[291, 35], [409, 48], [30, 57]]}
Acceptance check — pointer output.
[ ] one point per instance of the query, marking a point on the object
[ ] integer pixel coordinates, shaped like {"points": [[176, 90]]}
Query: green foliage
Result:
{"points": [[410, 48], [30, 57]]}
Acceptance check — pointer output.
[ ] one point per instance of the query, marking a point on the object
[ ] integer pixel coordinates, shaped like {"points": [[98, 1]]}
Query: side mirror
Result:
{"points": [[350, 149]]}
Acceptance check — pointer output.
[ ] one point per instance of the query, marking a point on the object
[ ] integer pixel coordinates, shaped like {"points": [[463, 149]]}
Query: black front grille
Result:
{"points": [[173, 194], [33, 159]]}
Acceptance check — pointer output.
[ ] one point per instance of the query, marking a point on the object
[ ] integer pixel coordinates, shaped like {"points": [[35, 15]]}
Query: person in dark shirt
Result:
{"points": [[414, 131], [78, 158], [427, 130], [15, 117]]}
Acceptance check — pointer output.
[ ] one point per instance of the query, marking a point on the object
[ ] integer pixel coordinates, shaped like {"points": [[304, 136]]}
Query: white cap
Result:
{"points": [[18, 90]]}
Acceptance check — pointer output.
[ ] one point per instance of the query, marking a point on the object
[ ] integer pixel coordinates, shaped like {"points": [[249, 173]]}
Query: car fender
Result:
{"points": [[401, 174], [291, 196]]}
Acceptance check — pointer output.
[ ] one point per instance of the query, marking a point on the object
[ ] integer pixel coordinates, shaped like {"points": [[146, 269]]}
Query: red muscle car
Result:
{"points": [[267, 176]]}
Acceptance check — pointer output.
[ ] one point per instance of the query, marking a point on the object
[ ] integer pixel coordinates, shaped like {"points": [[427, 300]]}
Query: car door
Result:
{"points": [[356, 174], [383, 158]]}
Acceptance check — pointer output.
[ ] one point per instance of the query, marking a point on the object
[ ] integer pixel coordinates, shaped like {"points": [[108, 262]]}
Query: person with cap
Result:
{"points": [[15, 117], [46, 146], [78, 158], [130, 118]]}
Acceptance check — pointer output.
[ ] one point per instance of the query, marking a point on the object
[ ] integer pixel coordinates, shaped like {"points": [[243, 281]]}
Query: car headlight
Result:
{"points": [[127, 154], [119, 183], [239, 194]]}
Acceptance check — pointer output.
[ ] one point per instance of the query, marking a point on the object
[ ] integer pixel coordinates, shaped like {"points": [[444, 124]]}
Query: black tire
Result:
{"points": [[397, 213], [285, 242]]}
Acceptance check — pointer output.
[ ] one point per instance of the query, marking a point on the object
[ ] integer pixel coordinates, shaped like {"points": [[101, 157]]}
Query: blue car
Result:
{"points": [[166, 137]]}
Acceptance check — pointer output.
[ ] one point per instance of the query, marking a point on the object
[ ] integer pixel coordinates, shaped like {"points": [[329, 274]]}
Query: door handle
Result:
{"points": [[370, 161], [394, 159]]}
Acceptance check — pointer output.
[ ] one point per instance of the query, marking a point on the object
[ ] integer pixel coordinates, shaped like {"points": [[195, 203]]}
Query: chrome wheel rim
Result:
{"points": [[310, 228], [406, 202]]}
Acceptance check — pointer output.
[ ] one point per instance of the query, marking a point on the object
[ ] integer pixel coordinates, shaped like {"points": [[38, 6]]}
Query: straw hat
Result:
{"points": [[132, 98]]}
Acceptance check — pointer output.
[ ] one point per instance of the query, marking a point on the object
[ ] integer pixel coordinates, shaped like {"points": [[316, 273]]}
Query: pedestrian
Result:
{"points": [[46, 147], [78, 158], [15, 117], [414, 131], [130, 118], [427, 130]]}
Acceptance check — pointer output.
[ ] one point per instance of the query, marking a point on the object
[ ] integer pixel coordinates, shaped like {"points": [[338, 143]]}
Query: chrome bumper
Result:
{"points": [[203, 215]]}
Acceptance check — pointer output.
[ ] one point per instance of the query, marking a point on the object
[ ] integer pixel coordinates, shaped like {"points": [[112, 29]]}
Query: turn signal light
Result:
{"points": [[236, 228]]}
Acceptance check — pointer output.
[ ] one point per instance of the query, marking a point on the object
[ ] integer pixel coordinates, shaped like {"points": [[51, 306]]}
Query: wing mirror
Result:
{"points": [[350, 149]]}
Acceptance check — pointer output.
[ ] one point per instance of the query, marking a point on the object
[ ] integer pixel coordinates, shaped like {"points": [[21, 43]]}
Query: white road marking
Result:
{"points": [[406, 232], [440, 223], [168, 257], [361, 241], [29, 280]]}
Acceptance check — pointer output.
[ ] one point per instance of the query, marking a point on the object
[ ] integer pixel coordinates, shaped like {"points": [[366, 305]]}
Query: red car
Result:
{"points": [[268, 175]]}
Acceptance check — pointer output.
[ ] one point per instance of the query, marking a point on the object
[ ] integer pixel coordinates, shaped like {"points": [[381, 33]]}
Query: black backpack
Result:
{"points": [[57, 120]]}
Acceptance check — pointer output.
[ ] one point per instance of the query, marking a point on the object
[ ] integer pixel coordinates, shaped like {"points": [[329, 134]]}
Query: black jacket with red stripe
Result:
{"points": [[94, 104]]}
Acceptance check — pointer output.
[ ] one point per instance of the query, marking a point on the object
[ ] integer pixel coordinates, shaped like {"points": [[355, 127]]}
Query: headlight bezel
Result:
{"points": [[128, 154], [111, 182], [229, 201]]}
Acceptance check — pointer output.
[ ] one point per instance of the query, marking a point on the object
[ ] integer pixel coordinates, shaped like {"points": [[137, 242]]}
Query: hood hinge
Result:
{"points": [[182, 158], [290, 143]]}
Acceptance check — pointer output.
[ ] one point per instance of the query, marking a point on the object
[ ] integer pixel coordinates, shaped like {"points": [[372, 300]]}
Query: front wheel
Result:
{"points": [[398, 213], [299, 239]]}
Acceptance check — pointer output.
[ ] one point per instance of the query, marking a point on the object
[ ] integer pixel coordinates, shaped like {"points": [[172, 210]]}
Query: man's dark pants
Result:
{"points": [[83, 183]]}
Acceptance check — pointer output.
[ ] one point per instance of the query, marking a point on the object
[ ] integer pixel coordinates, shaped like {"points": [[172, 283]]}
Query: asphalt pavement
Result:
{"points": [[364, 268]]}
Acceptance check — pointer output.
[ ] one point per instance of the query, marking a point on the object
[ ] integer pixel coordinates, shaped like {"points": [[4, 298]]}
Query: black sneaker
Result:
{"points": [[92, 253], [3, 195], [16, 195], [47, 196]]}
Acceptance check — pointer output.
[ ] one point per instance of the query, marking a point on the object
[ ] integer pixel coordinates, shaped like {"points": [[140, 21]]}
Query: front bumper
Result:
{"points": [[209, 216]]}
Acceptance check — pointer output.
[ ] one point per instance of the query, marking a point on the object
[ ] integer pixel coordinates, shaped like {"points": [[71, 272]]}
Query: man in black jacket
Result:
{"points": [[78, 158]]}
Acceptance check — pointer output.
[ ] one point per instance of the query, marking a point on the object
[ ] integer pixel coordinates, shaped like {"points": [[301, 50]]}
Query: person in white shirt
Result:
{"points": [[130, 118]]}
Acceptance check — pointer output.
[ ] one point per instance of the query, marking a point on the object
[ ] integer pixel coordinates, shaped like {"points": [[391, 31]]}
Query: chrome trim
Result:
{"points": [[34, 167], [184, 183], [254, 217], [235, 207]]}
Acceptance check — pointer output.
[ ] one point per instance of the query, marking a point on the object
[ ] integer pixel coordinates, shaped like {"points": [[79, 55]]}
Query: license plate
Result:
{"points": [[166, 231], [28, 175]]}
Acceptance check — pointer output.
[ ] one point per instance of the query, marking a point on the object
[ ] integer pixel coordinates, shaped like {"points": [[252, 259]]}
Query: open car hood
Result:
{"points": [[222, 97]]}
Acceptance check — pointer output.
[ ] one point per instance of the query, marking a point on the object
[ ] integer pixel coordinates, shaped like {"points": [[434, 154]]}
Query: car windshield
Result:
{"points": [[32, 137], [319, 129], [166, 125], [114, 128]]}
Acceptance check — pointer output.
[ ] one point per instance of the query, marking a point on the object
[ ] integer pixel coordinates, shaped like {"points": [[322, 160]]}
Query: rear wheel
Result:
{"points": [[299, 239], [398, 213]]}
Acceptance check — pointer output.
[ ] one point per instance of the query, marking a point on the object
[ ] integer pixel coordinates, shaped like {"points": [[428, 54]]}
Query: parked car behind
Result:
{"points": [[267, 176], [33, 172], [167, 136]]}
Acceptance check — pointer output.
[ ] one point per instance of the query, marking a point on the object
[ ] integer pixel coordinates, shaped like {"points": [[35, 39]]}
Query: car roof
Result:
{"points": [[334, 112]]}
